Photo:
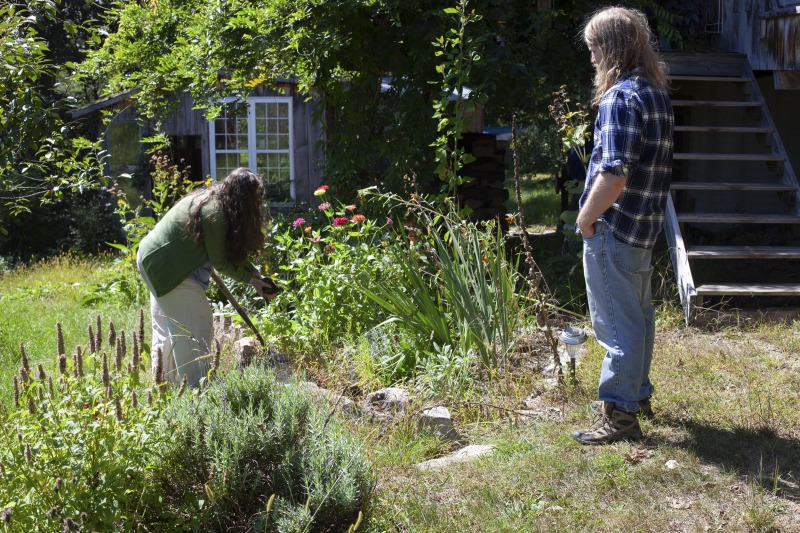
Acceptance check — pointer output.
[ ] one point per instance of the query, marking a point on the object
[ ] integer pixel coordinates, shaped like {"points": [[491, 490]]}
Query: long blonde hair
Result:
{"points": [[625, 42]]}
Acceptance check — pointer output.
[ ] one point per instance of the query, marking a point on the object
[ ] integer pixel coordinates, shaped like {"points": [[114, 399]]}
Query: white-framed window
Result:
{"points": [[257, 134]]}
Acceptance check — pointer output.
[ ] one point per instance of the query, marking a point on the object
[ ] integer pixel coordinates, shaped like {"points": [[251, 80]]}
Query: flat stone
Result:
{"points": [[387, 402], [246, 350], [437, 420], [464, 455]]}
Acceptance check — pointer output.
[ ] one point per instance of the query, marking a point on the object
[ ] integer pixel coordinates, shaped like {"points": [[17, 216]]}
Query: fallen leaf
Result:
{"points": [[709, 484], [638, 455]]}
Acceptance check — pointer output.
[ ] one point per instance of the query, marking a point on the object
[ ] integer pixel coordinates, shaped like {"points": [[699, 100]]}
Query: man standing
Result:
{"points": [[622, 213]]}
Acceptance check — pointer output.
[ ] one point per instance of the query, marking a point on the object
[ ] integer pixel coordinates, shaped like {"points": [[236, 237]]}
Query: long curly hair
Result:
{"points": [[625, 42], [240, 195]]}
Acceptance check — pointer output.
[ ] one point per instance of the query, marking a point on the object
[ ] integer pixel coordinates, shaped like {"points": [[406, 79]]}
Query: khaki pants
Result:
{"points": [[183, 329]]}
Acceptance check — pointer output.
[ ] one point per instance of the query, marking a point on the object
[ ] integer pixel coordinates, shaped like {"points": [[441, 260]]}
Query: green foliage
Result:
{"points": [[248, 437], [457, 52], [373, 64], [573, 124], [678, 24], [45, 157], [455, 288], [318, 256], [75, 446], [575, 129], [540, 150], [82, 222]]}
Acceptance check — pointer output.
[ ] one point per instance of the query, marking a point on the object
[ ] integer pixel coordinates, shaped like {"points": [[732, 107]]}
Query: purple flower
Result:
{"points": [[6, 515], [299, 222], [324, 206], [389, 221]]}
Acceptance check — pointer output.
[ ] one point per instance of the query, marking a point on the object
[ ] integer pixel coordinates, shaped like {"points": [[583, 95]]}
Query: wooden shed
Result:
{"points": [[273, 132]]}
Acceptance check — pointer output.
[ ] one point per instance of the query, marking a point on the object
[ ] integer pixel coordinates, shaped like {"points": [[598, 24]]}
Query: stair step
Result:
{"points": [[683, 77], [746, 289], [723, 129], [729, 186], [743, 252], [733, 218], [715, 103], [694, 156]]}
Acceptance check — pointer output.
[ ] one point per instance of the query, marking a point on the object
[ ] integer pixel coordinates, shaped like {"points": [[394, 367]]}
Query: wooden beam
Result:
{"points": [[744, 252], [749, 289], [786, 80]]}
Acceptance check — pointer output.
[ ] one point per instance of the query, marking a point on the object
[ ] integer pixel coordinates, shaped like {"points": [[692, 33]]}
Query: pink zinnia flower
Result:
{"points": [[350, 207], [324, 206], [315, 238], [321, 190], [298, 222], [340, 221], [359, 218]]}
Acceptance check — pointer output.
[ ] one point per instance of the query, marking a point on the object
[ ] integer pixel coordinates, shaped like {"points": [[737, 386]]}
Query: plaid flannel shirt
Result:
{"points": [[633, 137]]}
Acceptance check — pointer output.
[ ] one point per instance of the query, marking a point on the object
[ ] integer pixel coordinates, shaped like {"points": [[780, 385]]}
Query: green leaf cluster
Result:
{"points": [[317, 256], [45, 156], [377, 67], [455, 290]]}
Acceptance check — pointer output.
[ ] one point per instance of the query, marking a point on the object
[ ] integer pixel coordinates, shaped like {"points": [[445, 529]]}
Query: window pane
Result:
{"points": [[276, 177], [270, 144], [261, 111]]}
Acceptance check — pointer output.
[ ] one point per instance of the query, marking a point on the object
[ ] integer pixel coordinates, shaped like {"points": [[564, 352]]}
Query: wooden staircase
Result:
{"points": [[733, 217]]}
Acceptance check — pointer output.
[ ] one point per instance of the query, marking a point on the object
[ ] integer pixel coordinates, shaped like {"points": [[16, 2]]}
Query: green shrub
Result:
{"points": [[318, 255], [74, 447], [248, 437], [95, 449], [455, 291]]}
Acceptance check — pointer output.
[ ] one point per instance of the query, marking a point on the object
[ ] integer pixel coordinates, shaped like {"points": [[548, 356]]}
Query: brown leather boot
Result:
{"points": [[645, 409], [611, 425]]}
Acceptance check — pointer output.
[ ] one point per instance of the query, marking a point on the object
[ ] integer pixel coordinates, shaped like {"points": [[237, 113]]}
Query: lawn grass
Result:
{"points": [[541, 205], [722, 455], [34, 298]]}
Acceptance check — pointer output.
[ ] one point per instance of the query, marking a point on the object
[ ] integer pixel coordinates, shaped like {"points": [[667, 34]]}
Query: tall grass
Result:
{"points": [[34, 297], [456, 289]]}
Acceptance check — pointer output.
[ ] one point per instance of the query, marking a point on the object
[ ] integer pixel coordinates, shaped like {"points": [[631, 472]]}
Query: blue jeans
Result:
{"points": [[621, 308]]}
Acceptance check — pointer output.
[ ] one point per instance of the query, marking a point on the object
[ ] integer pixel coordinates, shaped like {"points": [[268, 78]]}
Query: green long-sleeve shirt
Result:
{"points": [[169, 254]]}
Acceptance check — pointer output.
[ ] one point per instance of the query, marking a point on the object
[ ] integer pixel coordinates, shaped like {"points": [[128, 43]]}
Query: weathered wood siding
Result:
{"points": [[767, 31], [308, 136]]}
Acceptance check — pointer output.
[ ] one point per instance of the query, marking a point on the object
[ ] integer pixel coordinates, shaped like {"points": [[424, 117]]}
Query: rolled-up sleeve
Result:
{"points": [[621, 131]]}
